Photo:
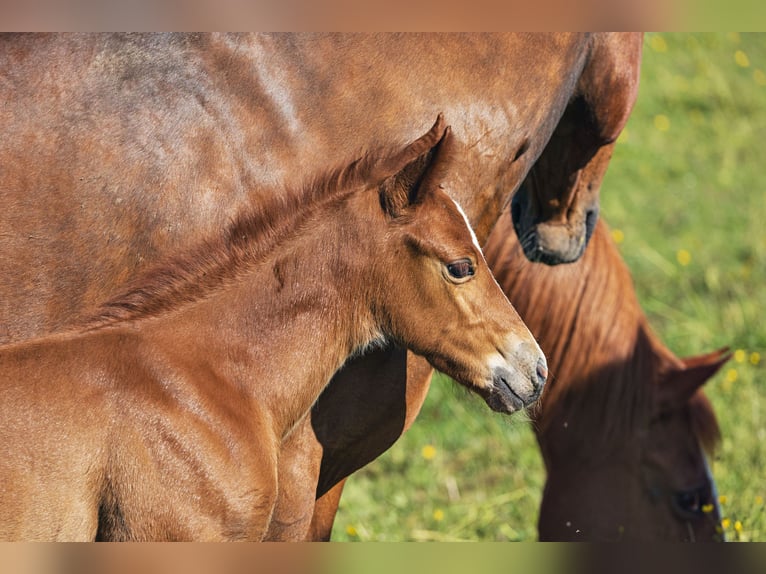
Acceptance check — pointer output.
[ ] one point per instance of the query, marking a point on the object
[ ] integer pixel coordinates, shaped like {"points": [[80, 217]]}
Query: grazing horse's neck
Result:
{"points": [[282, 329]]}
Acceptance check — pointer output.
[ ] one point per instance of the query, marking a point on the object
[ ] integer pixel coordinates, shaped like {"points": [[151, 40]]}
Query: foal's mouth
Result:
{"points": [[504, 398]]}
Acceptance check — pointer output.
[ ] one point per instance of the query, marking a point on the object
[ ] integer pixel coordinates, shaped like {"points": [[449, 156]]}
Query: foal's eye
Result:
{"points": [[461, 269]]}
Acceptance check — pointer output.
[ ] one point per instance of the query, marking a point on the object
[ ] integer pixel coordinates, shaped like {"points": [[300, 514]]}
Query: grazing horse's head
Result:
{"points": [[555, 209], [437, 294], [657, 486], [623, 424]]}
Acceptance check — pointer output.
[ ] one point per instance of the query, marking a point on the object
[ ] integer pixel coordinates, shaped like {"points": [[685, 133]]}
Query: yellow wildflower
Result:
{"points": [[731, 376], [438, 515], [683, 257], [741, 58], [351, 531], [428, 452], [618, 236], [707, 508], [740, 355], [759, 499], [755, 358], [725, 523], [658, 44], [738, 526], [722, 499], [661, 122]]}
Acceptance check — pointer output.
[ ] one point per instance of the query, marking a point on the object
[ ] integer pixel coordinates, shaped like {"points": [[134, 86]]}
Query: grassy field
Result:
{"points": [[686, 198]]}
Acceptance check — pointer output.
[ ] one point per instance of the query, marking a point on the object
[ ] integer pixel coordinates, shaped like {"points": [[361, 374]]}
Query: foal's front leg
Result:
{"points": [[298, 474]]}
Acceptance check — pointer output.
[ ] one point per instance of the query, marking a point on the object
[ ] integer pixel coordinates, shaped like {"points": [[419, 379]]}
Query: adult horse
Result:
{"points": [[163, 417], [624, 423], [119, 149]]}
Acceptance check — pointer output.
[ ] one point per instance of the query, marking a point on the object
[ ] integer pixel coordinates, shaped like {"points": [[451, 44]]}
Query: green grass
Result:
{"points": [[687, 191]]}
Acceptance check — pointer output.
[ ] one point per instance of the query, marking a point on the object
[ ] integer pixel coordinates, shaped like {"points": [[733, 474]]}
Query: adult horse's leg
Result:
{"points": [[556, 207]]}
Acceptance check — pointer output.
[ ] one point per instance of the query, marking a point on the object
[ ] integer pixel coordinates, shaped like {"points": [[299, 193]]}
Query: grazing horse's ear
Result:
{"points": [[420, 167], [679, 385]]}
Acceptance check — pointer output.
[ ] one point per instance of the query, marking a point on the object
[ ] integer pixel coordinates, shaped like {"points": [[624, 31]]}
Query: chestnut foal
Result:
{"points": [[162, 417]]}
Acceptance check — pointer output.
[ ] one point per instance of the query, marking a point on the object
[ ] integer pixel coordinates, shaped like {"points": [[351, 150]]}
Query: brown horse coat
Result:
{"points": [[118, 149]]}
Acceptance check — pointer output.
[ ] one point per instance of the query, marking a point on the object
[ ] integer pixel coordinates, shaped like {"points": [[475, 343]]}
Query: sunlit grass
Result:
{"points": [[686, 199]]}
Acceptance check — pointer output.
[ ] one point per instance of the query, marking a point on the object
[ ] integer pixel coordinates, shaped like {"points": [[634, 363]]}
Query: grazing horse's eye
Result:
{"points": [[693, 502], [461, 269]]}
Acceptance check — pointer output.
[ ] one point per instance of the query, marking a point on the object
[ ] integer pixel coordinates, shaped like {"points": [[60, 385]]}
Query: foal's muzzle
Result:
{"points": [[511, 391]]}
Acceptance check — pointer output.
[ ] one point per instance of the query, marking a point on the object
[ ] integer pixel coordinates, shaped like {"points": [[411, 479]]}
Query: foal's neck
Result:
{"points": [[284, 327]]}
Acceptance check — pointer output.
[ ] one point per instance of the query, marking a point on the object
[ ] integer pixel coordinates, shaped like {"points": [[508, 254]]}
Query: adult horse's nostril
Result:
{"points": [[542, 373]]}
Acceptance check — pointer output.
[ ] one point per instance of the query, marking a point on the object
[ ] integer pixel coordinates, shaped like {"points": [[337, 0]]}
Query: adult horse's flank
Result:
{"points": [[162, 418], [623, 422]]}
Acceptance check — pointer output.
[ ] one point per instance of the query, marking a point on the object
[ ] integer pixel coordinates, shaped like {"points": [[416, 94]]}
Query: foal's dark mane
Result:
{"points": [[602, 354], [214, 263]]}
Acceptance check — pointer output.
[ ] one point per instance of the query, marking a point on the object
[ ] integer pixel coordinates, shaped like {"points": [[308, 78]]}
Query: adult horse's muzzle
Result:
{"points": [[511, 391], [551, 242]]}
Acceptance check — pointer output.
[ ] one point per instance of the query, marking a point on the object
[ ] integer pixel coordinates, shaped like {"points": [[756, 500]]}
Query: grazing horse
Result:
{"points": [[162, 417], [623, 422], [122, 148]]}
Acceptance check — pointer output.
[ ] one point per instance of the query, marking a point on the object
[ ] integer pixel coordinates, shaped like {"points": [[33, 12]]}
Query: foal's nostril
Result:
{"points": [[542, 372]]}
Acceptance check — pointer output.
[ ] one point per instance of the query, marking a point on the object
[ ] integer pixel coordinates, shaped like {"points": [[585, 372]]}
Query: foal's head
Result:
{"points": [[436, 294]]}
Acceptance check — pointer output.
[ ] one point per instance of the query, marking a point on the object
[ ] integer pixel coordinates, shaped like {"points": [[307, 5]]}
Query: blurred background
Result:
{"points": [[685, 196]]}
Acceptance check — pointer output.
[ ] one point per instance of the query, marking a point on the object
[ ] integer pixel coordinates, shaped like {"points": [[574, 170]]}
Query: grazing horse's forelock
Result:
{"points": [[193, 274]]}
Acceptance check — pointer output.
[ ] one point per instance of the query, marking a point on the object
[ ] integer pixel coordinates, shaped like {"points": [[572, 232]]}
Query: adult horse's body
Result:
{"points": [[119, 149], [163, 418]]}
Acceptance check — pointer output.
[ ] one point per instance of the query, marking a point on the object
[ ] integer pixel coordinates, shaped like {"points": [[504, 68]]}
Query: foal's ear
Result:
{"points": [[408, 176], [680, 384]]}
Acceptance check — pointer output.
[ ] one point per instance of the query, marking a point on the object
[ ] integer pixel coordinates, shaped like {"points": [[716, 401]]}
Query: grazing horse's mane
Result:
{"points": [[602, 354], [214, 263]]}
